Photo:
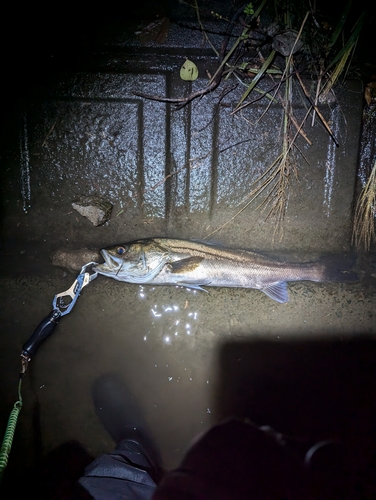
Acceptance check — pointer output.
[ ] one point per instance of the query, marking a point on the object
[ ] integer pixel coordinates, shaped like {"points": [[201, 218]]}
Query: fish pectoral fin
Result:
{"points": [[185, 265], [277, 291], [195, 284]]}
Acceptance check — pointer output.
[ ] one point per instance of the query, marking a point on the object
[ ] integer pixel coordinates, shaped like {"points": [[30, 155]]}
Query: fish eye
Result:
{"points": [[121, 250]]}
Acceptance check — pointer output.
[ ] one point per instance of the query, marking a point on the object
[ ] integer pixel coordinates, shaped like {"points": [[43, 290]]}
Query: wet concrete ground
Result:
{"points": [[191, 359]]}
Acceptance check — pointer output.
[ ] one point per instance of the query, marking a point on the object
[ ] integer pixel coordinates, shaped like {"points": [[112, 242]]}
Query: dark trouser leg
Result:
{"points": [[125, 473]]}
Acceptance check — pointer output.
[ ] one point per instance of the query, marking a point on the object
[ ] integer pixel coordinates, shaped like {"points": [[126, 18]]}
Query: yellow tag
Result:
{"points": [[189, 71]]}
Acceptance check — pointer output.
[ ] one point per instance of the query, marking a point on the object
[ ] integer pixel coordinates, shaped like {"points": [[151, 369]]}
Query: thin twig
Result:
{"points": [[203, 29], [258, 77], [290, 112], [190, 162], [318, 90], [252, 195], [267, 178], [283, 77], [262, 93], [48, 134], [216, 78], [223, 94], [324, 122]]}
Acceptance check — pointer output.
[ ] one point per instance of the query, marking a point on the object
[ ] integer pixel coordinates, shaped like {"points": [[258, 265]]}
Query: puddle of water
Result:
{"points": [[164, 343]]}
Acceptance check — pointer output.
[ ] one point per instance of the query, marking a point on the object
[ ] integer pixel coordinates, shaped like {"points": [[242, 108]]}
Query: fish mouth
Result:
{"points": [[107, 258], [109, 265]]}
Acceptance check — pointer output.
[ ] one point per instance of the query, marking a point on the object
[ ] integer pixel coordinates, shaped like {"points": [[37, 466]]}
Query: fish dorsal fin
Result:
{"points": [[185, 265], [211, 243], [277, 291]]}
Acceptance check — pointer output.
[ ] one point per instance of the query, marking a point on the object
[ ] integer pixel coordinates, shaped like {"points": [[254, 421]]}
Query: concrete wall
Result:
{"points": [[179, 173]]}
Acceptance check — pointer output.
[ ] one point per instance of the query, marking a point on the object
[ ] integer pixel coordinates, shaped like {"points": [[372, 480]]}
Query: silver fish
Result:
{"points": [[165, 261]]}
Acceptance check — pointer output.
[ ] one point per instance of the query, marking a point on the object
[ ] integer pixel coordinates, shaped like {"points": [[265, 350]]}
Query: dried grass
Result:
{"points": [[365, 211]]}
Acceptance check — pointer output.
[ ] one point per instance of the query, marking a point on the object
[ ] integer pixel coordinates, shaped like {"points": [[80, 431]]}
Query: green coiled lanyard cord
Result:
{"points": [[10, 430]]}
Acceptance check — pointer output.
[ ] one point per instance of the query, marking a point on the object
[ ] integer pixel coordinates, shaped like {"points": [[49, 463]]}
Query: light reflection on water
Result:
{"points": [[175, 321]]}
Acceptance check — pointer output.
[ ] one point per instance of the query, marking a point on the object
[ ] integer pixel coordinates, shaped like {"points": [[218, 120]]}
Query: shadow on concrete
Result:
{"points": [[312, 387], [310, 390], [54, 476]]}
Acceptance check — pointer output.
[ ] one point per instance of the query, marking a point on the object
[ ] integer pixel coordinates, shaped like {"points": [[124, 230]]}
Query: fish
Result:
{"points": [[193, 264]]}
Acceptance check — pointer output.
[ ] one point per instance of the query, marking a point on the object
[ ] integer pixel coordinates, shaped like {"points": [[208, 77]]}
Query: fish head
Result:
{"points": [[135, 262], [115, 258]]}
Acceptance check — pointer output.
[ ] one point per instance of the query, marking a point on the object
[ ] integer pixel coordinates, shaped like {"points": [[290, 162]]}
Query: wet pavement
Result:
{"points": [[167, 345], [189, 358]]}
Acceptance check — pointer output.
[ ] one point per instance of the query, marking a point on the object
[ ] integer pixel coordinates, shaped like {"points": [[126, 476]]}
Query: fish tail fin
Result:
{"points": [[339, 267]]}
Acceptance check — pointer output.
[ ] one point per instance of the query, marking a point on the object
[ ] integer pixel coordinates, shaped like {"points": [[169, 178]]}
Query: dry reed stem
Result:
{"points": [[276, 177], [365, 211]]}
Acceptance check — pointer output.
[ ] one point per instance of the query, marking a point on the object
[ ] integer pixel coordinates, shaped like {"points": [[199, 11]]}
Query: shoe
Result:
{"points": [[117, 409]]}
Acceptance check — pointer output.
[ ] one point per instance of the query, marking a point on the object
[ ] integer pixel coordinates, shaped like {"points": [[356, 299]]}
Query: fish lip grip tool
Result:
{"points": [[62, 304]]}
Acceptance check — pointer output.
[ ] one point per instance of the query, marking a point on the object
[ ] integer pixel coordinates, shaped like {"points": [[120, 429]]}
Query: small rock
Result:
{"points": [[94, 208], [273, 29], [75, 259], [327, 97], [286, 43]]}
